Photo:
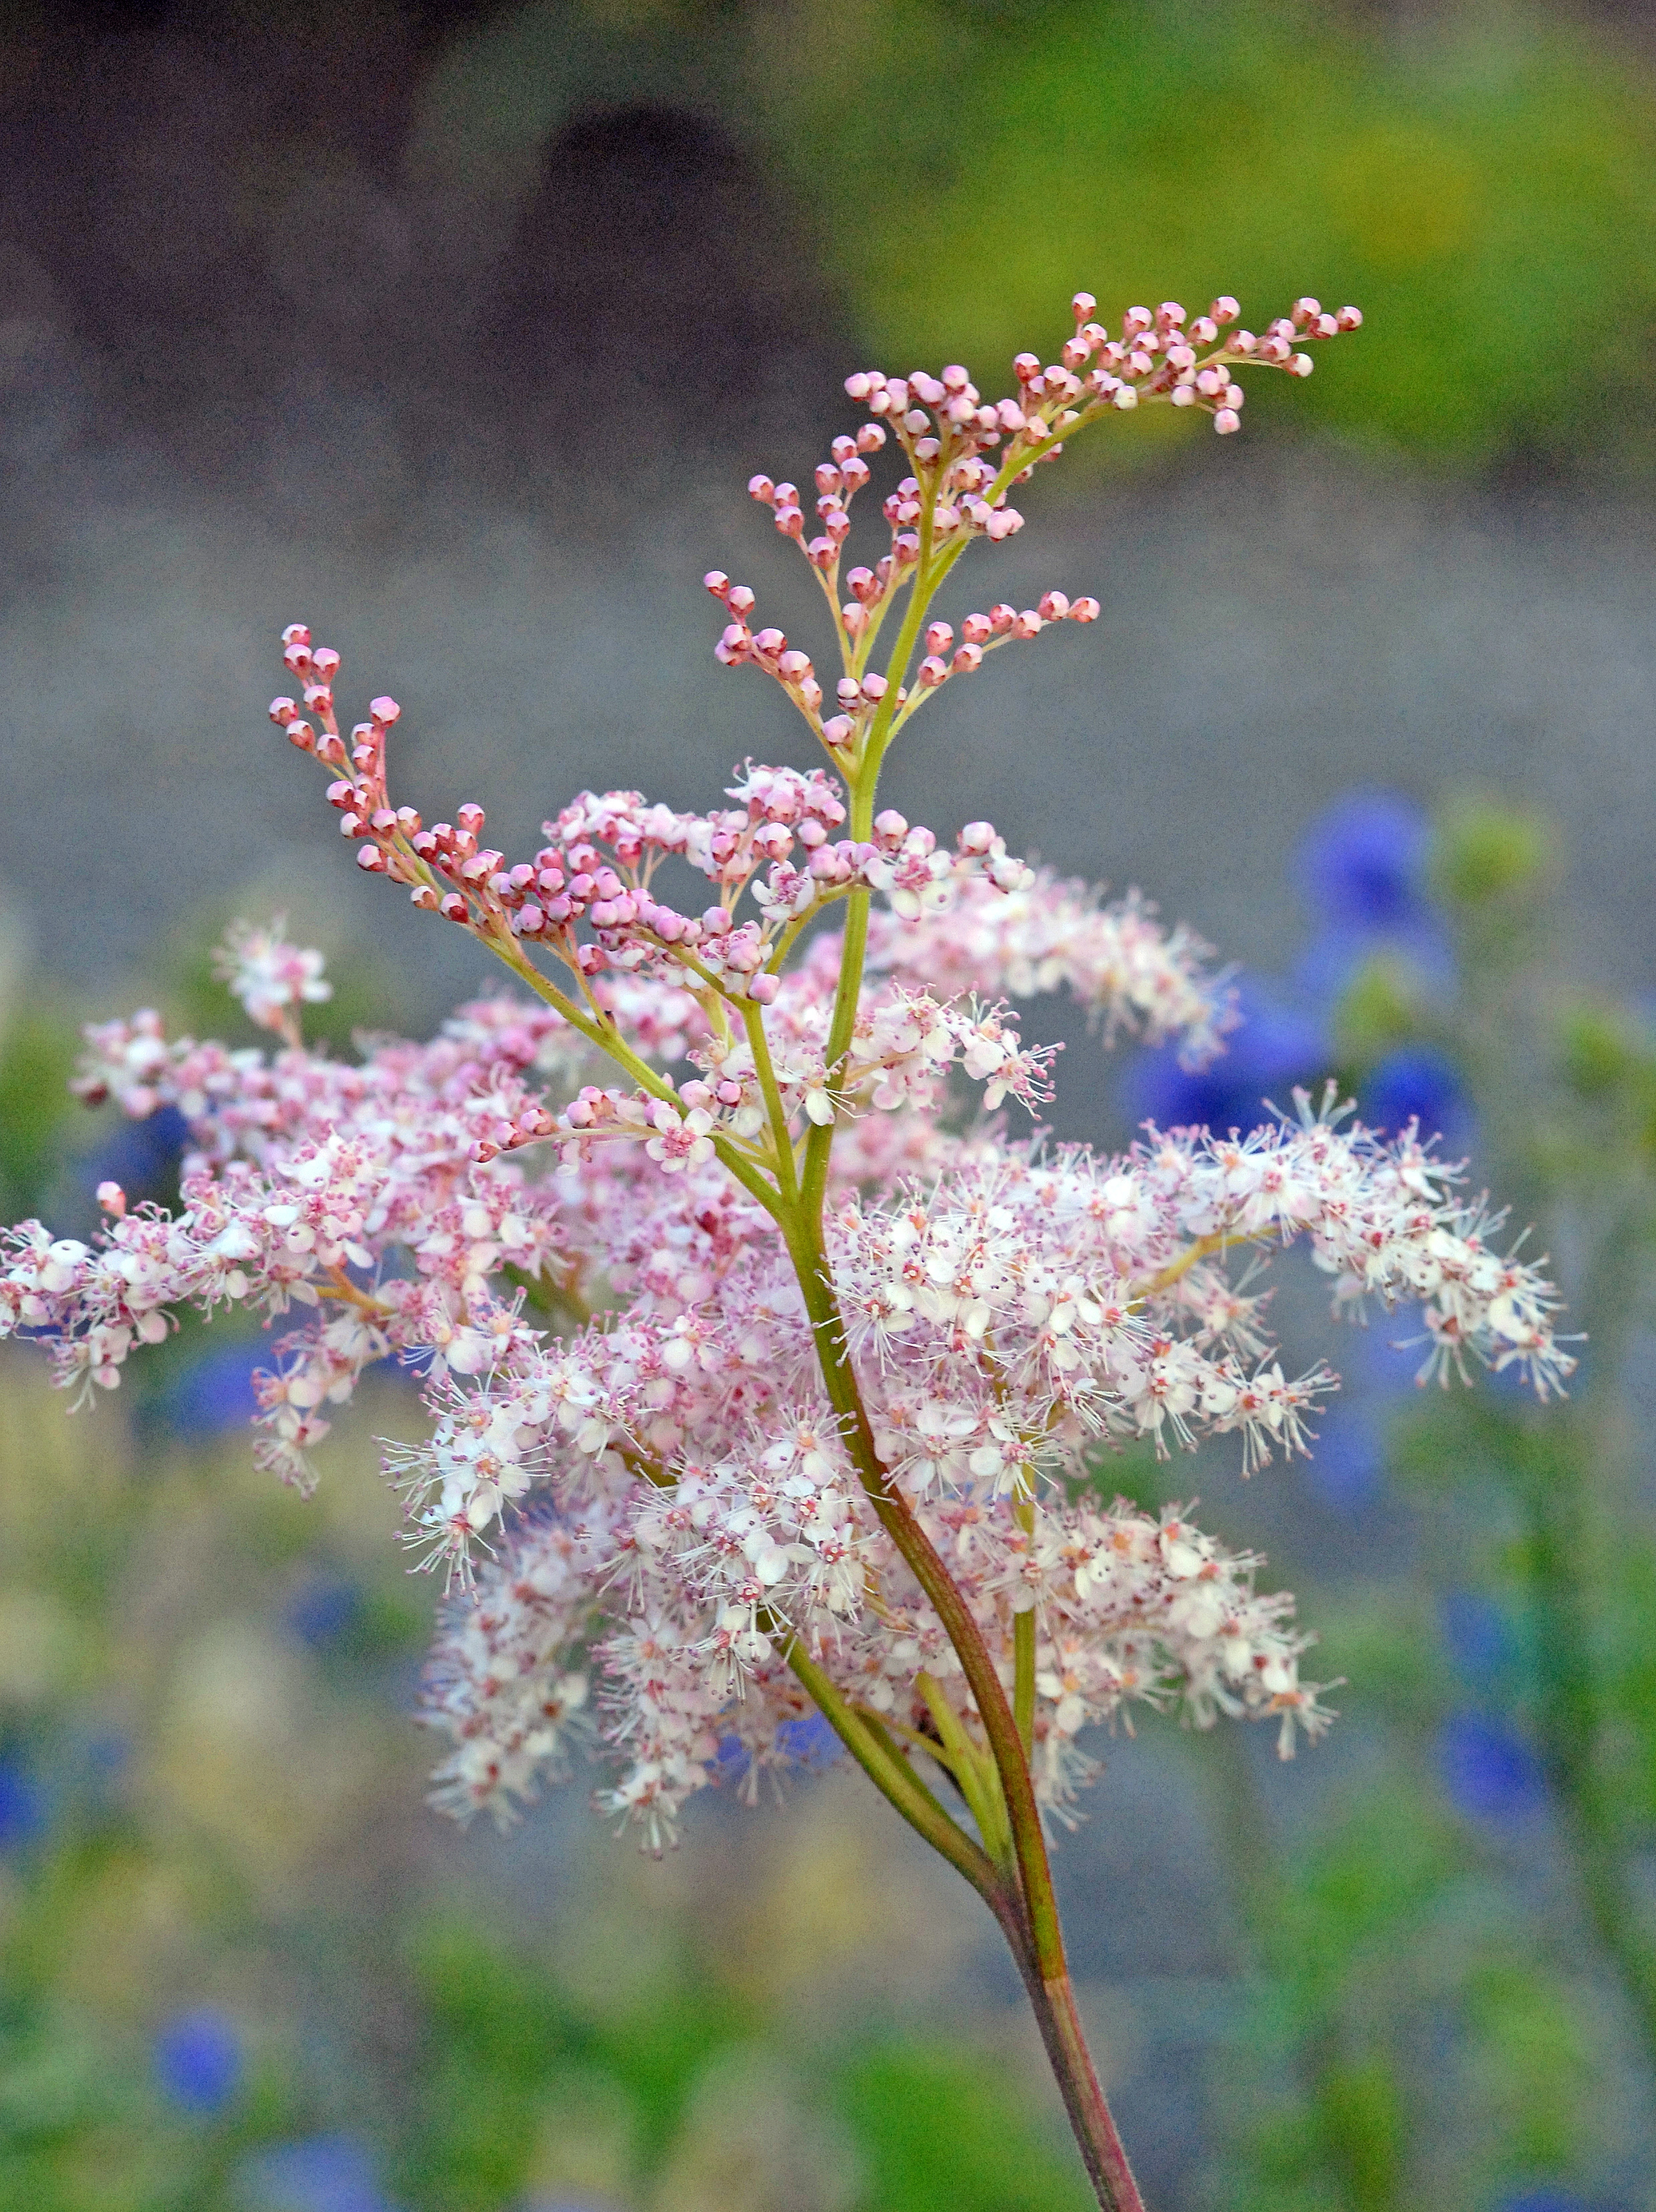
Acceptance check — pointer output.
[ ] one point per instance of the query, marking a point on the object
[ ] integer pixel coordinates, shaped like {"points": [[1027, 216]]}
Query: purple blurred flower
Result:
{"points": [[1476, 1630], [1415, 1083], [197, 2059], [323, 1607], [22, 1806], [1347, 1468], [1489, 1772], [1360, 860], [1278, 1046], [321, 2173]]}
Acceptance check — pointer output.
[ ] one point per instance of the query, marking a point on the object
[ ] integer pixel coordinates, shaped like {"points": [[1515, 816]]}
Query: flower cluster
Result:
{"points": [[764, 1387]]}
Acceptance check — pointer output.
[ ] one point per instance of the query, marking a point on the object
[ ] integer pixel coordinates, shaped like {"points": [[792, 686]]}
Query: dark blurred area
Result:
{"points": [[456, 331]]}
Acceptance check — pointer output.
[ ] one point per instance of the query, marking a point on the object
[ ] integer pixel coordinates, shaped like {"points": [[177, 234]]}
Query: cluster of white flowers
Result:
{"points": [[661, 1497], [270, 976]]}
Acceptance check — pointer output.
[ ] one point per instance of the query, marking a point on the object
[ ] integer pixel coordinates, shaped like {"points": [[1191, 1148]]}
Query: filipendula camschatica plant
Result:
{"points": [[766, 1403]]}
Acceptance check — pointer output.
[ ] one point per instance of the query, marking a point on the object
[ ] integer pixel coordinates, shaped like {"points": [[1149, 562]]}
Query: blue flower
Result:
{"points": [[321, 2173], [215, 1394], [1490, 1773], [1360, 861], [1347, 1467], [1542, 2200], [198, 2060], [1276, 1047], [323, 1607], [143, 1156], [1475, 1629], [1415, 1083], [22, 1806], [810, 1741]]}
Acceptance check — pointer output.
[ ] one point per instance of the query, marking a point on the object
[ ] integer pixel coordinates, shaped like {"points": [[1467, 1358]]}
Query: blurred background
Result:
{"points": [[456, 331]]}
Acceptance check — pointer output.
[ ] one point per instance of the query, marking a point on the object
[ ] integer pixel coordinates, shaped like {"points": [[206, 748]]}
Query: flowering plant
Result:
{"points": [[769, 1412]]}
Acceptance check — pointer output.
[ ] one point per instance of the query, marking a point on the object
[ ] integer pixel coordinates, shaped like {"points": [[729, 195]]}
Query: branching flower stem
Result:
{"points": [[1009, 1867]]}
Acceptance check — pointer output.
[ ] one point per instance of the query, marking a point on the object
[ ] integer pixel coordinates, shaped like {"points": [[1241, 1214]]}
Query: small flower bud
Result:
{"points": [[1083, 305], [939, 637], [1302, 364], [112, 1199], [1226, 421], [1054, 606], [1349, 319], [933, 672], [870, 438], [282, 711], [968, 658], [716, 582], [977, 629], [384, 711], [1085, 610], [840, 730], [761, 489], [739, 599], [297, 633]]}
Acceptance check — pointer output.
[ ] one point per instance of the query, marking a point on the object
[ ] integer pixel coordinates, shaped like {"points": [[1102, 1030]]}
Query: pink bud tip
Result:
{"points": [[1224, 309], [840, 730], [1226, 421], [932, 671], [1054, 606], [112, 1199], [1085, 611], [977, 836], [859, 386], [282, 712], [384, 710], [1349, 319], [716, 582], [297, 633], [739, 599], [764, 988], [1084, 305]]}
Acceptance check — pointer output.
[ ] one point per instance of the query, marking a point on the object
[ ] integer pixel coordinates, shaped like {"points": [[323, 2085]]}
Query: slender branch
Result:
{"points": [[753, 1021], [893, 1776]]}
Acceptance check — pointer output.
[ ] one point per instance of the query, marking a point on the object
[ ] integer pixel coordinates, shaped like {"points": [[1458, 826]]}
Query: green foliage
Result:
{"points": [[1483, 851], [1473, 182], [37, 1057], [941, 2135]]}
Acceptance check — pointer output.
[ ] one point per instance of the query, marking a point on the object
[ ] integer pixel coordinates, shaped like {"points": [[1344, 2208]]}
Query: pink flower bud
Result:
{"points": [[1085, 610], [112, 1199], [1025, 366], [870, 438], [1306, 310], [839, 731], [1028, 625], [768, 642], [761, 489], [470, 818], [968, 658], [1204, 331], [977, 836], [1302, 364], [1226, 421], [939, 637], [1054, 606], [371, 858], [764, 988], [297, 633], [302, 735], [933, 672], [793, 667], [1137, 320], [790, 521], [859, 386], [1083, 305], [1224, 309], [716, 582], [1170, 311], [326, 661], [1349, 319], [282, 712]]}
